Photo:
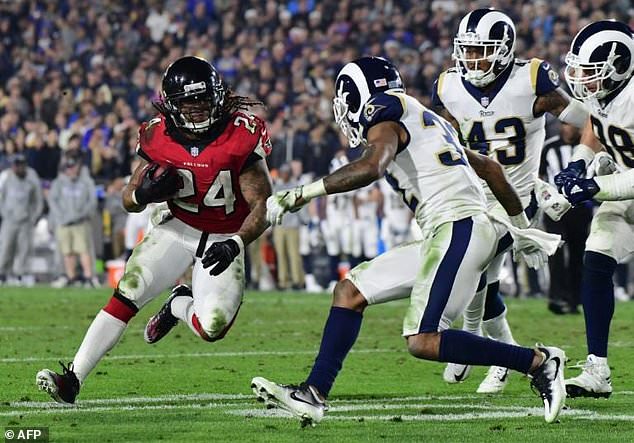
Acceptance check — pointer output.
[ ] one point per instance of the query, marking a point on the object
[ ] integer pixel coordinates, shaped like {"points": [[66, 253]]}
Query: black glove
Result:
{"points": [[221, 254], [574, 170], [158, 189]]}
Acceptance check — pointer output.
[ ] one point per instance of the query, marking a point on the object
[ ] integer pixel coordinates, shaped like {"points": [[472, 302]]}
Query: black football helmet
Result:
{"points": [[192, 94], [356, 83]]}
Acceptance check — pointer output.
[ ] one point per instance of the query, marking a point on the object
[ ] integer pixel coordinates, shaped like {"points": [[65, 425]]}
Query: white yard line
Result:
{"points": [[198, 355], [405, 408]]}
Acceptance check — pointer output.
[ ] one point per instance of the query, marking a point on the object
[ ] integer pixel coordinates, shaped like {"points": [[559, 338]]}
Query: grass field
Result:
{"points": [[184, 389]]}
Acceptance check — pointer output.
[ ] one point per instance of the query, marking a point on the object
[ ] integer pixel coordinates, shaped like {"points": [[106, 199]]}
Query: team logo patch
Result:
{"points": [[380, 82], [553, 76], [370, 110]]}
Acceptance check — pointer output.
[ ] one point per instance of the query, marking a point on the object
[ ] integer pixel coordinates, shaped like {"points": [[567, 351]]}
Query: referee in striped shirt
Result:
{"points": [[567, 263]]}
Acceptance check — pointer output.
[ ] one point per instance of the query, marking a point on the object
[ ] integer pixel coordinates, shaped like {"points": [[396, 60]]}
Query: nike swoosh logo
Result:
{"points": [[558, 362], [460, 376], [296, 398]]}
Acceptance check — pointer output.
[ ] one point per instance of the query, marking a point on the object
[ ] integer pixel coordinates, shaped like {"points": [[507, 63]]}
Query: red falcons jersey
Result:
{"points": [[210, 199]]}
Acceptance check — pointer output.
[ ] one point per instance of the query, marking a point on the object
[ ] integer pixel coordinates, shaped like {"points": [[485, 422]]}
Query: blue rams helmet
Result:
{"points": [[356, 83], [494, 33], [600, 60]]}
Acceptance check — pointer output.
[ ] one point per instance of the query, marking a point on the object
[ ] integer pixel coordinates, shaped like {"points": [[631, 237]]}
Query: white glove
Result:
{"points": [[604, 164], [282, 202], [532, 246], [552, 202], [527, 251]]}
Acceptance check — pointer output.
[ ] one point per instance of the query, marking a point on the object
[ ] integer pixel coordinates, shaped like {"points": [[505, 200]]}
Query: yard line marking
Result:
{"points": [[493, 411], [502, 413], [132, 400], [30, 328], [219, 396], [200, 354]]}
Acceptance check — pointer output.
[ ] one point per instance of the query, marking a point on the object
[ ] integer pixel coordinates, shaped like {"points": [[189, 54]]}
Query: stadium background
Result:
{"points": [[81, 76]]}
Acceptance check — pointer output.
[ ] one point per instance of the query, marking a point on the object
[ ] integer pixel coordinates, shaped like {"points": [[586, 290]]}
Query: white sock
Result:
{"points": [[498, 329], [183, 309], [472, 315], [104, 332]]}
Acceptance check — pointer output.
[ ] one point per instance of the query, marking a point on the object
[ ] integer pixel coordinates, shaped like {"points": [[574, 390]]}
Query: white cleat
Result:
{"points": [[594, 380], [548, 380], [456, 373], [300, 400], [495, 381]]}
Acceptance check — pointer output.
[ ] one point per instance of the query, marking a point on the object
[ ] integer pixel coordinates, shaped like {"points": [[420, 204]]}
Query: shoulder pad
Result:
{"points": [[146, 132], [544, 78], [521, 61], [380, 108]]}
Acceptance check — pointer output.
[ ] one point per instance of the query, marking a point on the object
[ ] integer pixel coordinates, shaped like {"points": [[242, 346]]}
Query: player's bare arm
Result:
{"points": [[444, 113], [560, 104], [589, 139], [493, 173], [135, 179], [256, 187], [382, 143]]}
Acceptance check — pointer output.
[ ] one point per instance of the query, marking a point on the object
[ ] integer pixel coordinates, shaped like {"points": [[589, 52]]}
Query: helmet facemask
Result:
{"points": [[587, 79], [495, 52], [346, 120], [195, 109]]}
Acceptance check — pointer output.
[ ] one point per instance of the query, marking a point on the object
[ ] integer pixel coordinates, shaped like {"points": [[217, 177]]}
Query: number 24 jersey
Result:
{"points": [[210, 199]]}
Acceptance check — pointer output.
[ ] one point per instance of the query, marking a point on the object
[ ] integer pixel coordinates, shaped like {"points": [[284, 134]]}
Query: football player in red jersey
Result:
{"points": [[205, 157]]}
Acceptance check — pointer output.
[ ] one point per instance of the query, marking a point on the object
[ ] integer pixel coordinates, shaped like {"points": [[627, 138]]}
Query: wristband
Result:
{"points": [[519, 220], [314, 189], [239, 241]]}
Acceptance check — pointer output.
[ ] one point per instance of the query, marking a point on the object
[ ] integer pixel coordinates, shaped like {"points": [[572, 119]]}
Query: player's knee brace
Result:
{"points": [[121, 307]]}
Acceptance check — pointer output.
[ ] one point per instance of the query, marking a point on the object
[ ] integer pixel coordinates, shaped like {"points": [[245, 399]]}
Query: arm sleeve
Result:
{"points": [[545, 79], [616, 186], [381, 108]]}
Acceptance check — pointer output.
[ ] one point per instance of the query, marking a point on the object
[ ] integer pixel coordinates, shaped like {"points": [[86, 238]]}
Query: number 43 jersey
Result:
{"points": [[430, 170], [210, 199], [499, 121]]}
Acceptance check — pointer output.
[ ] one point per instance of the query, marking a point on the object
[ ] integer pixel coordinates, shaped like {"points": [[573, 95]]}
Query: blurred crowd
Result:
{"points": [[77, 78]]}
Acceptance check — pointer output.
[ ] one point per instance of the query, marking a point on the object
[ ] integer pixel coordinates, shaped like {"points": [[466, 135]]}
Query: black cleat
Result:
{"points": [[160, 324], [63, 388]]}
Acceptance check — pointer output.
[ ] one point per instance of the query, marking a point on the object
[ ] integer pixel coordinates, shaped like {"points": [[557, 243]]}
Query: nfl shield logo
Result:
{"points": [[194, 151], [484, 101]]}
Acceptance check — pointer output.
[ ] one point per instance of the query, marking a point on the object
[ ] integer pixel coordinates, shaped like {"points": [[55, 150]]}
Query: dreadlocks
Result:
{"points": [[234, 103]]}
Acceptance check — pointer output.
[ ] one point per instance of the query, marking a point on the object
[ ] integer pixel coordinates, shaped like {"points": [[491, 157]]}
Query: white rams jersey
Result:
{"points": [[366, 207], [613, 124], [430, 170], [499, 122]]}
